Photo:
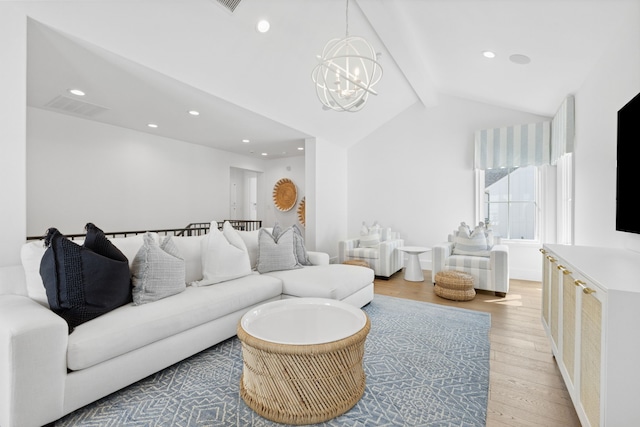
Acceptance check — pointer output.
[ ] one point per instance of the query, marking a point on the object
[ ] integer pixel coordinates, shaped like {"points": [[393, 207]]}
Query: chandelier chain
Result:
{"points": [[347, 19]]}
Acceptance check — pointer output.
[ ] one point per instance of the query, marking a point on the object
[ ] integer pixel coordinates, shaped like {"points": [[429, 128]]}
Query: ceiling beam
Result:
{"points": [[393, 27]]}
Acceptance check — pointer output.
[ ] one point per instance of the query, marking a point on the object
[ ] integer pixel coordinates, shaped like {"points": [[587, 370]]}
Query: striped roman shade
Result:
{"points": [[518, 145], [563, 129]]}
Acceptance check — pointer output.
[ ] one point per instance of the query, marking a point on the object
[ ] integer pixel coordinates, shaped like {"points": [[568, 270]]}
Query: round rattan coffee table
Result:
{"points": [[303, 359]]}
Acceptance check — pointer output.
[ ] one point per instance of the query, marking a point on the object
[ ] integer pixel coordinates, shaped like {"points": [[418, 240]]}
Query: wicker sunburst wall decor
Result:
{"points": [[285, 194], [301, 212]]}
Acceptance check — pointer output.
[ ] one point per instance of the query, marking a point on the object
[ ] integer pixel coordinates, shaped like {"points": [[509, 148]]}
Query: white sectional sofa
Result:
{"points": [[47, 372]]}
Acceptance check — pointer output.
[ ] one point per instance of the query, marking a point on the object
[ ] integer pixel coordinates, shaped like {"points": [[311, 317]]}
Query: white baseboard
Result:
{"points": [[532, 275]]}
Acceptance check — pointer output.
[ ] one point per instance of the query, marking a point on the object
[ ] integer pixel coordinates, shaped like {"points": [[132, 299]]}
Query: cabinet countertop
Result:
{"points": [[615, 269]]}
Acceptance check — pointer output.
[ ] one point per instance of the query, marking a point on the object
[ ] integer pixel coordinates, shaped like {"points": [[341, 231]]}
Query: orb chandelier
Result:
{"points": [[346, 72]]}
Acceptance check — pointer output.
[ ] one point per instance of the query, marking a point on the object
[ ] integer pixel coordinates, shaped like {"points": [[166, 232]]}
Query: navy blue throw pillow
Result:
{"points": [[84, 282]]}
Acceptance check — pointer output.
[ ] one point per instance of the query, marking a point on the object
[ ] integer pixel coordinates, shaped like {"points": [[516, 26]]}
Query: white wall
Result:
{"points": [[326, 178], [415, 174], [611, 84], [294, 169], [13, 73], [81, 171]]}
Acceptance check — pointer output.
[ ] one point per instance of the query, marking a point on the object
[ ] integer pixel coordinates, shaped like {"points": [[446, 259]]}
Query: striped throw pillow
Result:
{"points": [[474, 244]]}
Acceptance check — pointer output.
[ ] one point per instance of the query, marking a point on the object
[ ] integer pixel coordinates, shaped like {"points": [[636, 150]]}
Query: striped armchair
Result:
{"points": [[489, 273], [385, 259]]}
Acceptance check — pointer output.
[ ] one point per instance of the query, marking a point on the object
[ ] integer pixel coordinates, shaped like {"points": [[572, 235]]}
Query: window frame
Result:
{"points": [[540, 179]]}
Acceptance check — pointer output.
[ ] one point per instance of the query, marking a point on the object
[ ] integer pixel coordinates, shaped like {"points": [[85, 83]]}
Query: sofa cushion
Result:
{"points": [[336, 281], [364, 253], [224, 256], [84, 282], [468, 261], [131, 327], [158, 271], [277, 253], [130, 245]]}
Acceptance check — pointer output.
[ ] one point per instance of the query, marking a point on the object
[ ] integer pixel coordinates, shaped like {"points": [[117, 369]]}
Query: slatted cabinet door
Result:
{"points": [[590, 349], [546, 283], [551, 280], [555, 302], [569, 292]]}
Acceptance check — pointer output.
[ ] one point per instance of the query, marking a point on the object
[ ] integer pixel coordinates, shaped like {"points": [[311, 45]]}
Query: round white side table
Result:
{"points": [[413, 271]]}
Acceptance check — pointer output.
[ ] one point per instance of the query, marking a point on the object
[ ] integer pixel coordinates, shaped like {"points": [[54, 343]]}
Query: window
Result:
{"points": [[510, 201], [565, 199]]}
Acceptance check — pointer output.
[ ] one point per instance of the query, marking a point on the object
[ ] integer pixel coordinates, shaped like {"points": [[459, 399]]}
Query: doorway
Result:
{"points": [[243, 194]]}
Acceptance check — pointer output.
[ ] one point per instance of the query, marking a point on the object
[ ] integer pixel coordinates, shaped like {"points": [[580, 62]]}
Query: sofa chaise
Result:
{"points": [[47, 372]]}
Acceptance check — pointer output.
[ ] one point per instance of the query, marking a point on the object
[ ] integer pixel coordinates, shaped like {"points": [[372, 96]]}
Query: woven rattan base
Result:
{"points": [[302, 384], [358, 262], [454, 285]]}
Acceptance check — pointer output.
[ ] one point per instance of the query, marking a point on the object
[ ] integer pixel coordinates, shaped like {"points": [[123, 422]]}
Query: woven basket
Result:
{"points": [[454, 285], [302, 384], [358, 262]]}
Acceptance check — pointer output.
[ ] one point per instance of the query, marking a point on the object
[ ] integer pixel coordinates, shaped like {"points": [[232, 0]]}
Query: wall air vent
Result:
{"points": [[230, 5], [73, 106]]}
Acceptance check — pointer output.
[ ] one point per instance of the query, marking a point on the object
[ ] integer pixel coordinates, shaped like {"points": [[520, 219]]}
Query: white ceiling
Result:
{"points": [[151, 61]]}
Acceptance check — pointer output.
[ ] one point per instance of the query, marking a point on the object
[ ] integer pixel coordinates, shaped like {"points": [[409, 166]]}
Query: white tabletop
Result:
{"points": [[301, 321], [417, 249]]}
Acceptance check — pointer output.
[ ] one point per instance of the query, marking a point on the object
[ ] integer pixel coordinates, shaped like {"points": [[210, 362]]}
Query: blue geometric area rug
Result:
{"points": [[425, 365]]}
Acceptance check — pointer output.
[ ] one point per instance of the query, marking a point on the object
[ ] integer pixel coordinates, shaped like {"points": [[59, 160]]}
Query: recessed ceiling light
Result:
{"points": [[152, 125], [264, 154], [519, 59], [77, 92], [246, 141], [488, 54], [263, 26], [300, 148], [194, 112]]}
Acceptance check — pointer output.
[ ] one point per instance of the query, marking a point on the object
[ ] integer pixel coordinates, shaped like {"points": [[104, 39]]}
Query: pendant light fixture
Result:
{"points": [[346, 73]]}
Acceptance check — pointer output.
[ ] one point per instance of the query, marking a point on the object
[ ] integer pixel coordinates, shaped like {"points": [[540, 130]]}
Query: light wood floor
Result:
{"points": [[525, 385]]}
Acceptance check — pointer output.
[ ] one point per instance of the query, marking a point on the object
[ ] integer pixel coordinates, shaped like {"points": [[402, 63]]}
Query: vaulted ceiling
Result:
{"points": [[147, 61]]}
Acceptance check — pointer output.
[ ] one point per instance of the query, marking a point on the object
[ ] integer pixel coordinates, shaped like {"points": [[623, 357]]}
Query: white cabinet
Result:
{"points": [[591, 314]]}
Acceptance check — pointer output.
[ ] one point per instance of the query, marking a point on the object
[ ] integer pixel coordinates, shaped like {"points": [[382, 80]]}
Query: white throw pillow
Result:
{"points": [[490, 238], [464, 230], [130, 245], [190, 248], [369, 236], [250, 239], [224, 256], [474, 243], [31, 255]]}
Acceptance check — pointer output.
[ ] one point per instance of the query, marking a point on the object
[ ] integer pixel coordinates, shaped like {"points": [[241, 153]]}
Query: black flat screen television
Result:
{"points": [[628, 168]]}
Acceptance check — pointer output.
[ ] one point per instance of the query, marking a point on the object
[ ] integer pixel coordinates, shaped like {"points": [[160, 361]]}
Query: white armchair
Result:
{"points": [[490, 272], [385, 259]]}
